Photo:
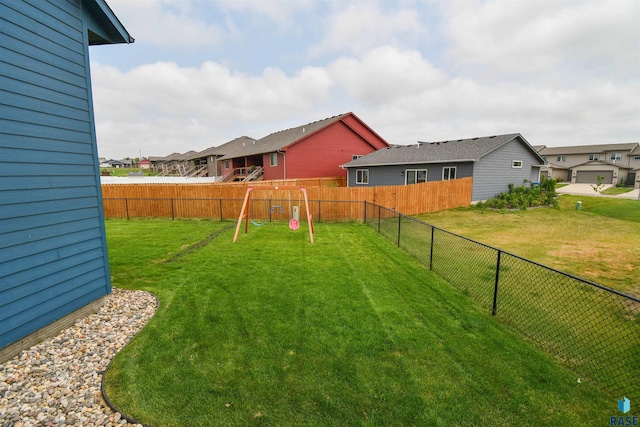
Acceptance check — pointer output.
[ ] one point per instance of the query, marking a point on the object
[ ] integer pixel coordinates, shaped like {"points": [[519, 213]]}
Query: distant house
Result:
{"points": [[173, 164], [313, 150], [53, 254], [493, 161], [144, 164], [113, 164], [209, 159], [582, 164]]}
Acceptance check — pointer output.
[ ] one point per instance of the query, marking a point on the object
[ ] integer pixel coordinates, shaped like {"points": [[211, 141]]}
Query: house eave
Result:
{"points": [[113, 32], [346, 165]]}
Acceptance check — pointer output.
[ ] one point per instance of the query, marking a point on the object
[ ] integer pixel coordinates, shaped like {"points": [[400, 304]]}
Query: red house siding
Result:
{"points": [[364, 131], [274, 172], [322, 153]]}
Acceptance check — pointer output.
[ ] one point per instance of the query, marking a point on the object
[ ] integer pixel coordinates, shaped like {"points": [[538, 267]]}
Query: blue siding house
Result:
{"points": [[53, 254], [492, 161]]}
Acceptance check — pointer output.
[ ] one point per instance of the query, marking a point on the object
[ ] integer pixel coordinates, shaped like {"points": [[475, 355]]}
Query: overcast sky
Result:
{"points": [[203, 72]]}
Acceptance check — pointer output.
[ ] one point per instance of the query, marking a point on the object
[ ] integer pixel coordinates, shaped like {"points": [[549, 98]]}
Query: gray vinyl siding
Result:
{"points": [[493, 172], [53, 257], [394, 174]]}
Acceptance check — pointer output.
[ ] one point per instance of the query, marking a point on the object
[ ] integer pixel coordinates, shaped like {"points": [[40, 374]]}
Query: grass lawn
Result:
{"points": [[612, 191], [349, 331], [599, 242], [125, 171]]}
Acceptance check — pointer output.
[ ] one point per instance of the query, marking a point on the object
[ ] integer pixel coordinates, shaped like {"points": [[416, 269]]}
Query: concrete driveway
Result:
{"points": [[587, 190]]}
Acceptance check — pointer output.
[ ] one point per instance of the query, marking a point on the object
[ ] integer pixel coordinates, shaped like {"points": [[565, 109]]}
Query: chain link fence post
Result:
{"points": [[495, 288]]}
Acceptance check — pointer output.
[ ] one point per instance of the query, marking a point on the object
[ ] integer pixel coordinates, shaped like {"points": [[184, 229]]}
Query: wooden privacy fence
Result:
{"points": [[224, 201]]}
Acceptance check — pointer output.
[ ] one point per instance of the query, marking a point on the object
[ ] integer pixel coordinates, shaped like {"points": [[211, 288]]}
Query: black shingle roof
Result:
{"points": [[278, 140], [470, 149]]}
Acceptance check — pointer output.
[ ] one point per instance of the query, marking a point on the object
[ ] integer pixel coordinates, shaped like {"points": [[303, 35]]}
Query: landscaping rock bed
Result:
{"points": [[58, 382]]}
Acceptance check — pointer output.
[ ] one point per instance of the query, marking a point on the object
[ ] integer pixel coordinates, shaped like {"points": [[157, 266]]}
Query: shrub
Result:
{"points": [[524, 196]]}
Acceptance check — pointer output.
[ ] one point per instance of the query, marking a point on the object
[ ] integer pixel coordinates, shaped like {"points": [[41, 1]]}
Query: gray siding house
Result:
{"points": [[493, 162], [53, 254]]}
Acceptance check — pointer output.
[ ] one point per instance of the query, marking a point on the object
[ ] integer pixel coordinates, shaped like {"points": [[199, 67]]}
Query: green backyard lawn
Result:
{"points": [[272, 330], [598, 243]]}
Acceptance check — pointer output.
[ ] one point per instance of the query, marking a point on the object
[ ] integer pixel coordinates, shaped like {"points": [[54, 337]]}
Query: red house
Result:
{"points": [[313, 150]]}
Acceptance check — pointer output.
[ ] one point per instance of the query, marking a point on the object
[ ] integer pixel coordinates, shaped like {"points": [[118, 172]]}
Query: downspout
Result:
{"points": [[284, 162]]}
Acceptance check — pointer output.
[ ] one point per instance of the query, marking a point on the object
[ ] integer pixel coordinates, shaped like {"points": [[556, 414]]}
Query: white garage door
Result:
{"points": [[591, 177]]}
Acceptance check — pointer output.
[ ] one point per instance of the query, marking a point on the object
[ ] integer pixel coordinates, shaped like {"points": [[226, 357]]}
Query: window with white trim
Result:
{"points": [[594, 156], [226, 164], [362, 176], [636, 157], [415, 176], [448, 172], [561, 158], [356, 156], [615, 156], [516, 164], [273, 159]]}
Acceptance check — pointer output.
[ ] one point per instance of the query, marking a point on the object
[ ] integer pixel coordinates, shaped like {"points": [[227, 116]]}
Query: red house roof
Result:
{"points": [[284, 139]]}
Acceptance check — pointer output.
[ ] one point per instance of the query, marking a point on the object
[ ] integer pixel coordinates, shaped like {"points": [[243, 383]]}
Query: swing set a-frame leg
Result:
{"points": [[306, 206], [244, 213]]}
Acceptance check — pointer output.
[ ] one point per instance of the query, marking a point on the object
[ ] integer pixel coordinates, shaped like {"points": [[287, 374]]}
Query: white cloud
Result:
{"points": [[357, 27], [558, 38], [385, 74], [278, 11], [168, 108], [167, 23], [561, 73]]}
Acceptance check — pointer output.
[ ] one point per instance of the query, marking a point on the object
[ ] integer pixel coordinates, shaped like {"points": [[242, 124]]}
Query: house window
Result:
{"points": [[273, 159], [448, 173], [226, 164], [594, 156], [516, 164], [415, 176], [561, 158], [636, 157], [362, 176], [356, 156], [615, 156]]}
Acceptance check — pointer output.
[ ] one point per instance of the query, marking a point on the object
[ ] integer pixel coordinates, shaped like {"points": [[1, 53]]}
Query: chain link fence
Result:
{"points": [[591, 329]]}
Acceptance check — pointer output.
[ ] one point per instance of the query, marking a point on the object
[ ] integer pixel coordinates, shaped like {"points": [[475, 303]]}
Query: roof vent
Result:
{"points": [[474, 138], [302, 130], [492, 136]]}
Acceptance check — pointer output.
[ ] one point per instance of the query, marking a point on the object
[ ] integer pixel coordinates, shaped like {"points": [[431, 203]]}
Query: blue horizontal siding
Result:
{"points": [[42, 106], [13, 225], [22, 24], [8, 84], [43, 258], [19, 60], [22, 169], [41, 277], [25, 155], [9, 112], [52, 243], [39, 182], [26, 210], [40, 233], [61, 305]]}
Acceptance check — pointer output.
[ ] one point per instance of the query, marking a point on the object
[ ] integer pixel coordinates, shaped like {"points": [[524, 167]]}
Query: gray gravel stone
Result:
{"points": [[57, 382]]}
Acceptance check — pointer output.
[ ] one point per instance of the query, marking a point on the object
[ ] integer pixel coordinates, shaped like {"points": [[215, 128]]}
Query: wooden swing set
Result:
{"points": [[293, 211]]}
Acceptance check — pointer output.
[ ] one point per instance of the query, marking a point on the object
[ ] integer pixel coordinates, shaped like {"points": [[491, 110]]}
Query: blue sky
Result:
{"points": [[203, 72]]}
